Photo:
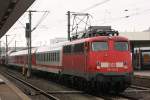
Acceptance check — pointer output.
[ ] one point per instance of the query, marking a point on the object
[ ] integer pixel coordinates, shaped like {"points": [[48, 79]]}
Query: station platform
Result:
{"points": [[142, 78], [142, 74], [8, 91]]}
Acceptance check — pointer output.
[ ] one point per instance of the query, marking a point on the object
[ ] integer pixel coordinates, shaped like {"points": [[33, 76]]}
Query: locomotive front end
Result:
{"points": [[110, 63]]}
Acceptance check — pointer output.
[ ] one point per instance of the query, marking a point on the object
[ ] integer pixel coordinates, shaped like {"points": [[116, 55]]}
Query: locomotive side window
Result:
{"points": [[99, 46], [67, 49], [78, 48], [121, 46]]}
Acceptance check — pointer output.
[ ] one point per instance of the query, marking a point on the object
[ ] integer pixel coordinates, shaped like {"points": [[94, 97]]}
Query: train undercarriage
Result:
{"points": [[100, 83]]}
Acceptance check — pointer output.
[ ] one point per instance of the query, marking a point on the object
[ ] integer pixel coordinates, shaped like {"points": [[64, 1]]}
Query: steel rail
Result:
{"points": [[35, 88], [139, 87], [106, 97]]}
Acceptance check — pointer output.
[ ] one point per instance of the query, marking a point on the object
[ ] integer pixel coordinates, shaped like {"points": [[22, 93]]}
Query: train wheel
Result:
{"points": [[119, 87], [85, 85]]}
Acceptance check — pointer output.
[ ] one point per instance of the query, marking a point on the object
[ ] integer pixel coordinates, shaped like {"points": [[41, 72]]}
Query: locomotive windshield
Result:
{"points": [[99, 46], [121, 46]]}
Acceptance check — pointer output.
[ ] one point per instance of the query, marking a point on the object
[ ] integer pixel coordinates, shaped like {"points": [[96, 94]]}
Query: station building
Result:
{"points": [[140, 46]]}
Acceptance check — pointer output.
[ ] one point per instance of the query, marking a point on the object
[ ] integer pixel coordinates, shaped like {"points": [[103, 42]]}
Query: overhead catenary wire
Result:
{"points": [[95, 5], [127, 16], [41, 19], [12, 39], [22, 24], [39, 22]]}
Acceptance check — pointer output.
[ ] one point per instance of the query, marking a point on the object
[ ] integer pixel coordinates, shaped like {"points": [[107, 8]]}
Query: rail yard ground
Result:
{"points": [[63, 92]]}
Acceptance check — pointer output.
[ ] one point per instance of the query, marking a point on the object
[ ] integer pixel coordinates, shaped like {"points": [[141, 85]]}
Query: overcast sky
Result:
{"points": [[104, 12]]}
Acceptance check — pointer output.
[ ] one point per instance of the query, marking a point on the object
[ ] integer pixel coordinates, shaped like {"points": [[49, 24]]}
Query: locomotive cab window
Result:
{"points": [[99, 46], [121, 46]]}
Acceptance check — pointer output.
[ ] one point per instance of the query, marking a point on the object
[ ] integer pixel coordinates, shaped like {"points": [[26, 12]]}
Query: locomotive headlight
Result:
{"points": [[119, 64], [104, 64]]}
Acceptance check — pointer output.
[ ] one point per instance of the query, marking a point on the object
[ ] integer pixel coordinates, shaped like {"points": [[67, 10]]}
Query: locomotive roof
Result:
{"points": [[98, 38], [58, 46]]}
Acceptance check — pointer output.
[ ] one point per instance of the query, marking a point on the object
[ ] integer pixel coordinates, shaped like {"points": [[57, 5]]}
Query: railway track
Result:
{"points": [[118, 97], [50, 94], [38, 90]]}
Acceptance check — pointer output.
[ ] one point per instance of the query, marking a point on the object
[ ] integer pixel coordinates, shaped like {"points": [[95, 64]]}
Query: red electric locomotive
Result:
{"points": [[101, 62]]}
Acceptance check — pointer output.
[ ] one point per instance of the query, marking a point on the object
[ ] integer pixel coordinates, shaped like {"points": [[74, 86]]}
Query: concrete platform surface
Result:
{"points": [[142, 74], [8, 91]]}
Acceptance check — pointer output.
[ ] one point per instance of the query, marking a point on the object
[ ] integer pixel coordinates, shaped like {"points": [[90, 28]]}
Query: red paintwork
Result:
{"points": [[87, 62], [74, 62]]}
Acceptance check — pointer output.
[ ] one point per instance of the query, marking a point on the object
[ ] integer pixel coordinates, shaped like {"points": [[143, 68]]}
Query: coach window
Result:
{"points": [[48, 56], [52, 56], [55, 56], [58, 56], [99, 46], [45, 56], [42, 56], [37, 57], [121, 46]]}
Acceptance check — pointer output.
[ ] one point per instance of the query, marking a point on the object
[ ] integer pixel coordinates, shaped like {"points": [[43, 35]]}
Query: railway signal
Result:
{"points": [[29, 31]]}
